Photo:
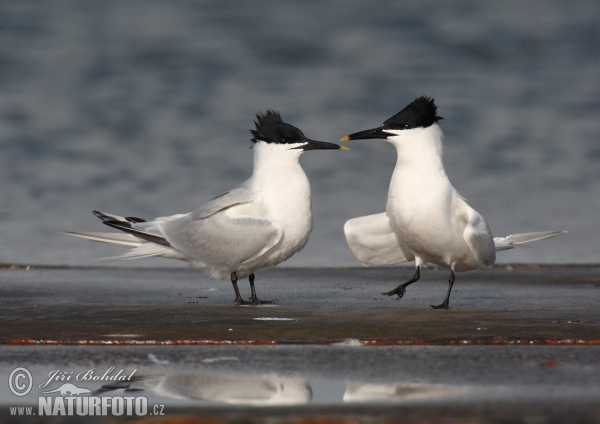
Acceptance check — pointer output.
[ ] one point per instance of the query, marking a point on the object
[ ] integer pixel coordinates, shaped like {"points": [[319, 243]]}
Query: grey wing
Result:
{"points": [[373, 241], [226, 200], [479, 239], [221, 239]]}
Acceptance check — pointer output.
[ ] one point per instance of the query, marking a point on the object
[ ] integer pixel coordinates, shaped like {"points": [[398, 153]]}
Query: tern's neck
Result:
{"points": [[275, 159], [283, 187], [421, 150]]}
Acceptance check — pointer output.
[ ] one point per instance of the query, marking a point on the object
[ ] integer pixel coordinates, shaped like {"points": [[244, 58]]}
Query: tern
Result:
{"points": [[259, 224], [426, 220]]}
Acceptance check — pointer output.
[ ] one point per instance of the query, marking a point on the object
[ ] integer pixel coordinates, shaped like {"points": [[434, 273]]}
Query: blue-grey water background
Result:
{"points": [[143, 108]]}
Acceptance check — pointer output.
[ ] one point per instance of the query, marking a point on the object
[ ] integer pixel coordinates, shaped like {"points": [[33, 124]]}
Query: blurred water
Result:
{"points": [[143, 108]]}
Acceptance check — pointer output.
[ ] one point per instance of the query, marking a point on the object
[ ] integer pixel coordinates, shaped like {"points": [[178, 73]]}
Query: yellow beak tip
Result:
{"points": [[344, 148], [345, 138]]}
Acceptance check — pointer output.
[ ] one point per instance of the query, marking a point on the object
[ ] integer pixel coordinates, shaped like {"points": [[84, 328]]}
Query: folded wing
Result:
{"points": [[223, 238], [478, 237], [237, 196]]}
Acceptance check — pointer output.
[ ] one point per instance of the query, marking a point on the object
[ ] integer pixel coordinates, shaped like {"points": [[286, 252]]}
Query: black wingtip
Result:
{"points": [[102, 216], [127, 228], [134, 219], [105, 217]]}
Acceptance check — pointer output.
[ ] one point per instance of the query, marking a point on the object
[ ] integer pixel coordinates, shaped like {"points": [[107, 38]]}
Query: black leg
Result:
{"points": [[444, 304], [238, 296], [254, 299], [401, 289]]}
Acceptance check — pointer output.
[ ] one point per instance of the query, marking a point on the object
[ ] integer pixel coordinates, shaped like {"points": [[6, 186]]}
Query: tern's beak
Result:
{"points": [[320, 145], [367, 135]]}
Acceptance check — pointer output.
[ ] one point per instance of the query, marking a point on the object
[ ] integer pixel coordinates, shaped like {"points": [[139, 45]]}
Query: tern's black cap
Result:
{"points": [[270, 128], [421, 113]]}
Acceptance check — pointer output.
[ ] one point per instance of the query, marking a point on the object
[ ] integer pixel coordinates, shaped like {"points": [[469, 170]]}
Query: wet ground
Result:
{"points": [[519, 344]]}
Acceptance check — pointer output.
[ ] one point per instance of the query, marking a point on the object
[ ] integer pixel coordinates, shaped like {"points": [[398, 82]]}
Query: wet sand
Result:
{"points": [[522, 341], [313, 306]]}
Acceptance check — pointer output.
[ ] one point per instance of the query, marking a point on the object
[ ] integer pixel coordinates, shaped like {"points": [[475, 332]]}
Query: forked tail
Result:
{"points": [[145, 243], [514, 240]]}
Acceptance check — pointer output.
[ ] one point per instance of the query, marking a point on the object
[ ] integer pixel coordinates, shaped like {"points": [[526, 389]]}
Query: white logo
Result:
{"points": [[15, 383], [69, 389], [71, 400]]}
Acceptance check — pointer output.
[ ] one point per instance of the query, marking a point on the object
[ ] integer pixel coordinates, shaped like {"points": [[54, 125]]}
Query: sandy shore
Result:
{"points": [[519, 342]]}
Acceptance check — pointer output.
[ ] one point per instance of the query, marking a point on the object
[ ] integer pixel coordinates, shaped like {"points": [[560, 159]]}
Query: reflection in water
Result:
{"points": [[273, 390], [397, 392], [233, 389]]}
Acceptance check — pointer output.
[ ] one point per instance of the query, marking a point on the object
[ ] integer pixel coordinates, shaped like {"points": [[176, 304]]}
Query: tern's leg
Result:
{"points": [[253, 298], [444, 304], [401, 289], [238, 296]]}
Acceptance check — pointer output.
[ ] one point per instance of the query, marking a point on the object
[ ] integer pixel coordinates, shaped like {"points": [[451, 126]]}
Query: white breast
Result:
{"points": [[424, 210]]}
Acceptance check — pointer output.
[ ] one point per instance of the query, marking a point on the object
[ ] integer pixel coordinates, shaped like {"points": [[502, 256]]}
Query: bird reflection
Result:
{"points": [[269, 390], [397, 392]]}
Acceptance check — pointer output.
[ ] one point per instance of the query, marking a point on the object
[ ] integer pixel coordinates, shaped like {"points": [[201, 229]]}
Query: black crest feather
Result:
{"points": [[265, 124], [270, 128], [421, 113]]}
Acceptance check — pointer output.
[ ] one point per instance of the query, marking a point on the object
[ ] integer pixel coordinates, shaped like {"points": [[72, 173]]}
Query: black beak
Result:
{"points": [[320, 145], [367, 135]]}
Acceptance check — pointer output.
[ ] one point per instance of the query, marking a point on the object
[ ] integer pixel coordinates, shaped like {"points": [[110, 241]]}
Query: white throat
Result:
{"points": [[271, 157], [419, 176], [279, 178], [420, 147]]}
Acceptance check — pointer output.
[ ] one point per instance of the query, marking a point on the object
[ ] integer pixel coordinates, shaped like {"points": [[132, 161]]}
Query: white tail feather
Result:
{"points": [[514, 240], [142, 248], [146, 250], [114, 238]]}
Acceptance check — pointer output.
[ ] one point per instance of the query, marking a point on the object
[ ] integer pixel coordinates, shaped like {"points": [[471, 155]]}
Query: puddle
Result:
{"points": [[160, 386]]}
